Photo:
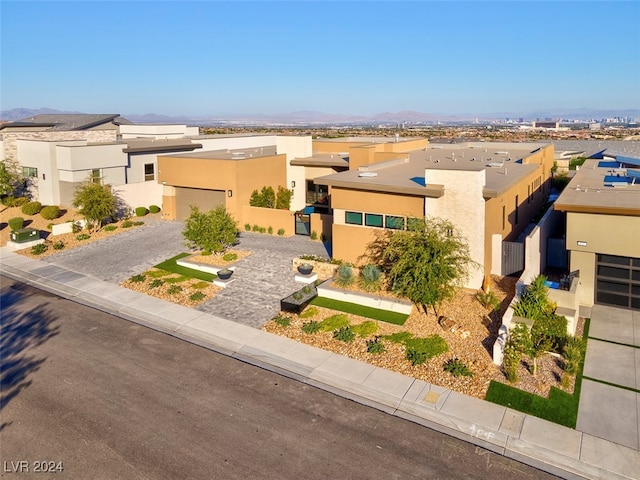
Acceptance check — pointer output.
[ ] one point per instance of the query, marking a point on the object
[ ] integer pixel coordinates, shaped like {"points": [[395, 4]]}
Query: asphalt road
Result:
{"points": [[98, 397]]}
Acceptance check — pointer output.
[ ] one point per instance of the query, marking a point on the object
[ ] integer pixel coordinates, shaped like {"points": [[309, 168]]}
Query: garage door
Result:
{"points": [[618, 281], [205, 200]]}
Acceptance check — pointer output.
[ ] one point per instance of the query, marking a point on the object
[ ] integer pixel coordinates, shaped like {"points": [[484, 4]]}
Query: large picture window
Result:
{"points": [[353, 218]]}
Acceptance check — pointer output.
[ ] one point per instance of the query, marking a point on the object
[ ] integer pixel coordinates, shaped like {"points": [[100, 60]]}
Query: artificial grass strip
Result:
{"points": [[561, 407], [170, 265], [360, 310]]}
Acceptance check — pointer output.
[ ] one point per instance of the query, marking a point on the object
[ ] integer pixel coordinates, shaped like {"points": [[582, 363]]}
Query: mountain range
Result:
{"points": [[314, 117]]}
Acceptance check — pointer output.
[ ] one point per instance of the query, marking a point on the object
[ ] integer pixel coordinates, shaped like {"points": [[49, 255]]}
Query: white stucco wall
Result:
{"points": [[88, 157], [135, 168], [297, 174], [463, 205], [142, 194], [40, 155]]}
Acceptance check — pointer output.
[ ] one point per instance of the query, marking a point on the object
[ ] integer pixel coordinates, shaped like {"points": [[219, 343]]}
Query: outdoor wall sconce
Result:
{"points": [[229, 193], [44, 177], [582, 243], [293, 184]]}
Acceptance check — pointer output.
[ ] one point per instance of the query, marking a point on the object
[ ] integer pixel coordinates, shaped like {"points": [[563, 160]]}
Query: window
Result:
{"points": [[397, 223], [415, 224], [516, 212], [353, 218], [96, 176], [373, 220], [149, 172], [29, 172], [504, 217], [317, 193]]}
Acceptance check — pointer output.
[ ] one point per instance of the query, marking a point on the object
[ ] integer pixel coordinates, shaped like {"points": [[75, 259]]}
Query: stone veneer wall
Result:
{"points": [[11, 145]]}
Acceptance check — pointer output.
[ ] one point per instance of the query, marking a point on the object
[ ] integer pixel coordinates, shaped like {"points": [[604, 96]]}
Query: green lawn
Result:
{"points": [[170, 265], [360, 310], [561, 407]]}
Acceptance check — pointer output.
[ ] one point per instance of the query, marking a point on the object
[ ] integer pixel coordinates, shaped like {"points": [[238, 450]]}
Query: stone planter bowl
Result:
{"points": [[224, 274], [305, 268]]}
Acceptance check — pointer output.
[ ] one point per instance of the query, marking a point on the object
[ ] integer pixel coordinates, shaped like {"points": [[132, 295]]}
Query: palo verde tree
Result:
{"points": [[426, 262], [95, 202], [212, 231], [10, 177]]}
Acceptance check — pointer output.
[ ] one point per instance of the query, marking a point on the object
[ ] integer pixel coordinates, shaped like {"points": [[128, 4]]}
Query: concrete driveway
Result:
{"points": [[610, 398], [261, 279]]}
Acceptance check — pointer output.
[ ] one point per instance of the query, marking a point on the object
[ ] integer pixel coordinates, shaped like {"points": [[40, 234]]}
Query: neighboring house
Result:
{"points": [[489, 191], [602, 207]]}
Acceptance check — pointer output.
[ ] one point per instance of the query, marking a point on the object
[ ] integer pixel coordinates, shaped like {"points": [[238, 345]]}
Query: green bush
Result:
{"points": [[50, 212], [281, 231], [137, 223], [370, 278], [283, 321], [138, 278], [247, 227], [110, 228], [39, 249], [262, 230], [230, 257], [344, 334], [141, 211], [573, 353], [127, 224], [309, 312], [457, 368], [334, 322], [345, 276], [270, 230], [399, 337], [256, 228], [31, 208], [283, 198], [197, 296], [16, 223], [59, 245], [155, 283], [154, 209], [365, 329], [311, 327], [83, 236], [174, 289], [200, 285], [314, 235], [157, 273], [10, 201], [75, 227], [375, 345], [420, 349]]}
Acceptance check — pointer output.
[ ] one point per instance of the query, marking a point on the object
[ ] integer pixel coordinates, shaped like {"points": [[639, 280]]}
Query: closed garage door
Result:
{"points": [[618, 281], [205, 200]]}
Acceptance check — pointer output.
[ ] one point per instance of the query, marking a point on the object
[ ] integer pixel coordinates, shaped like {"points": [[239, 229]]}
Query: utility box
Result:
{"points": [[25, 235]]}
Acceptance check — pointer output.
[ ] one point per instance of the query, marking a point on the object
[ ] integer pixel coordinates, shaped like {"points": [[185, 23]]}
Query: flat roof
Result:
{"points": [[407, 175], [323, 160], [367, 139], [234, 154], [600, 187]]}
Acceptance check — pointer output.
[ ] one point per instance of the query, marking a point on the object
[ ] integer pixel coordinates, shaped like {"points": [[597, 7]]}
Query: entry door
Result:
{"points": [[618, 281]]}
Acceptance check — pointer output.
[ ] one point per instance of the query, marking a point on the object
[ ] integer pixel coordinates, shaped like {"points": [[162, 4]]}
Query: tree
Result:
{"points": [[266, 198], [283, 198], [212, 231], [10, 176], [424, 263], [95, 202]]}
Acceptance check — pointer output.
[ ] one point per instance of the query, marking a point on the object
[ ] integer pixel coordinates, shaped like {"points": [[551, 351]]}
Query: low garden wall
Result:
{"points": [[325, 270], [268, 217], [383, 303], [67, 227]]}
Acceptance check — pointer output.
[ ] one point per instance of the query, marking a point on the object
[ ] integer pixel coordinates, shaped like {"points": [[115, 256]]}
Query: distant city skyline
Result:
{"points": [[351, 58]]}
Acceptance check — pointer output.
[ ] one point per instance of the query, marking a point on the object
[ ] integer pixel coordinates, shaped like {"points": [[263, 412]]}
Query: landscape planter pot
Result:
{"points": [[305, 268], [297, 301], [224, 274]]}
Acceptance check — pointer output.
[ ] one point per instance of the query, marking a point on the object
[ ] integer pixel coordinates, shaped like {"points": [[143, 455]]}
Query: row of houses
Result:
{"points": [[348, 190]]}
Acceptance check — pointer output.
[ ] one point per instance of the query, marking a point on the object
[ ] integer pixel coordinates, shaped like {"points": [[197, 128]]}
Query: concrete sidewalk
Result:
{"points": [[562, 451]]}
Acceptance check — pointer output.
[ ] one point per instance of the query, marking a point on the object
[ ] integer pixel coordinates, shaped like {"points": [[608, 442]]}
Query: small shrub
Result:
{"points": [[283, 321], [16, 223], [262, 230], [345, 276], [197, 296], [420, 349], [174, 289], [297, 296], [270, 230], [137, 223], [31, 208], [375, 345], [154, 209], [566, 380], [306, 289], [247, 227], [110, 228], [39, 249], [50, 226], [127, 224], [155, 283], [255, 228], [281, 231], [457, 368], [59, 245], [344, 334], [83, 236], [230, 257], [399, 337], [50, 212], [334, 322], [309, 312], [365, 329], [573, 353], [200, 285], [370, 278], [314, 235], [311, 326], [141, 211], [488, 300], [138, 278], [206, 253], [75, 227]]}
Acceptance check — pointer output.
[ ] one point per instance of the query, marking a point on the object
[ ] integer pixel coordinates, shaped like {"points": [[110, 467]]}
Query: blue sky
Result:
{"points": [[346, 57]]}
